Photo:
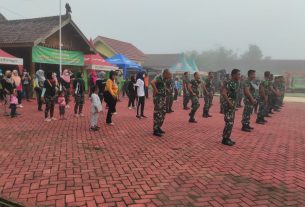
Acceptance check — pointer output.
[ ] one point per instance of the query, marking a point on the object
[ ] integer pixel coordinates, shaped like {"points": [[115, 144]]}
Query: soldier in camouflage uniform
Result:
{"points": [[275, 94], [282, 90], [169, 95], [159, 90], [193, 89], [208, 91], [271, 96], [277, 85], [240, 94], [186, 95], [249, 87], [229, 93], [221, 99], [263, 99]]}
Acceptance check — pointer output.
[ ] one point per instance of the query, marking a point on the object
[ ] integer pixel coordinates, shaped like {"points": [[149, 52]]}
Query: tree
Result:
{"points": [[213, 59], [254, 53]]}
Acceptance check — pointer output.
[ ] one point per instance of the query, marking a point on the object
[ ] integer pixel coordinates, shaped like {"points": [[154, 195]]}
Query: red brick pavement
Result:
{"points": [[62, 163]]}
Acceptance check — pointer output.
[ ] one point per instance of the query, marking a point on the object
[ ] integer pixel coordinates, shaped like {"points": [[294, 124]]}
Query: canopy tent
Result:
{"points": [[8, 59], [96, 62], [182, 66], [124, 63], [193, 64]]}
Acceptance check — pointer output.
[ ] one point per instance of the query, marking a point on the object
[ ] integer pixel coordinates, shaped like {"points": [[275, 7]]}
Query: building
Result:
{"points": [[109, 47], [37, 42]]}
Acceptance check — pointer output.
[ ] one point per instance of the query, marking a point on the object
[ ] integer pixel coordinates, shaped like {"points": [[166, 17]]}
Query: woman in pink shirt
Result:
{"points": [[18, 85]]}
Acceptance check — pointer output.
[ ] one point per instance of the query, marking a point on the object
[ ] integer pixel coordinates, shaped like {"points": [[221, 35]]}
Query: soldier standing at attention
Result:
{"points": [[159, 91], [169, 95], [273, 95], [249, 100], [193, 88], [263, 99], [230, 92], [282, 90], [222, 84], [186, 95], [208, 95]]}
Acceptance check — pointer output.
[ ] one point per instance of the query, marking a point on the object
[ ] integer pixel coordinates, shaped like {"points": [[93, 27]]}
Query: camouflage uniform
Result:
{"points": [[282, 90], [208, 97], [169, 94], [248, 108], [232, 88], [159, 102], [240, 93], [271, 97], [194, 98], [186, 94], [277, 99], [221, 99], [262, 110]]}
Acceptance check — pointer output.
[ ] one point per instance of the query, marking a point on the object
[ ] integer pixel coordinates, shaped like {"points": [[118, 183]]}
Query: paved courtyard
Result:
{"points": [[62, 163]]}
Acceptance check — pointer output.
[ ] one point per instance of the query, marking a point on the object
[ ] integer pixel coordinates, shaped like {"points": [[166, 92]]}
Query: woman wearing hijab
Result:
{"points": [[26, 84], [101, 84], [79, 94], [8, 86], [65, 81], [131, 92], [18, 84], [140, 84], [39, 82], [92, 81], [49, 95], [111, 96]]}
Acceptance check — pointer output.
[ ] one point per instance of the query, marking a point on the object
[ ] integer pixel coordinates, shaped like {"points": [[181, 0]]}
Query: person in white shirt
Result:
{"points": [[96, 108], [140, 94]]}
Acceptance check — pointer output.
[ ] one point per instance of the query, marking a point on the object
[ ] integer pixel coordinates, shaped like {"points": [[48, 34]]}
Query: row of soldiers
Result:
{"points": [[269, 95]]}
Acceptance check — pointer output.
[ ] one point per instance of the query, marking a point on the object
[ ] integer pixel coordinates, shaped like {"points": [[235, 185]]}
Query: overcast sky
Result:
{"points": [[170, 26]]}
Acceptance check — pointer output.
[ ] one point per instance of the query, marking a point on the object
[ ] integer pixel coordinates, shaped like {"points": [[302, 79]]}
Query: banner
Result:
{"points": [[11, 61], [51, 56]]}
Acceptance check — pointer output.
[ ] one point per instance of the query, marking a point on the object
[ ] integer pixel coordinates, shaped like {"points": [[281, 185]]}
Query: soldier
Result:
{"points": [[169, 95], [222, 84], [240, 92], [159, 91], [282, 91], [208, 95], [273, 95], [193, 88], [186, 95], [263, 99], [249, 101], [277, 97], [229, 93]]}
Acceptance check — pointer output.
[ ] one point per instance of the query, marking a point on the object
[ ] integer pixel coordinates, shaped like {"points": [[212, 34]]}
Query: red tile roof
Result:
{"points": [[125, 48]]}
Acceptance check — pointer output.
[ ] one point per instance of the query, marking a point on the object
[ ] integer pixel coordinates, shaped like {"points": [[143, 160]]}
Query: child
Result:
{"points": [[96, 108], [62, 105], [13, 103]]}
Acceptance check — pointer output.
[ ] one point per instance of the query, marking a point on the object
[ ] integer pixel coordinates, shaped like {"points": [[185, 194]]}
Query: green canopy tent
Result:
{"points": [[193, 64], [182, 66]]}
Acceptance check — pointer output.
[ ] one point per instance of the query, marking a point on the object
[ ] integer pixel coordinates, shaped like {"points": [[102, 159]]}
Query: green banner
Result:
{"points": [[51, 56]]}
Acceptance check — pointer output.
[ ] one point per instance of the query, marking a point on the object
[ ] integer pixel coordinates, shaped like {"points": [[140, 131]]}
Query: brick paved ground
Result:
{"points": [[64, 164]]}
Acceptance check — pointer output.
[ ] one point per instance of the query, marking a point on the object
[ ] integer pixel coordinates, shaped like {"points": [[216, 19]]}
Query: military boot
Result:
{"points": [[245, 128]]}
